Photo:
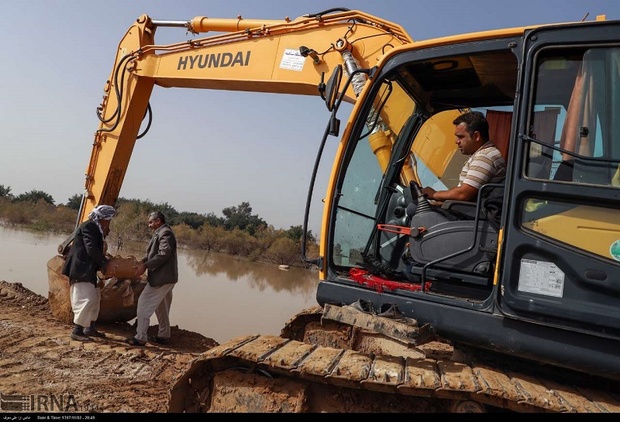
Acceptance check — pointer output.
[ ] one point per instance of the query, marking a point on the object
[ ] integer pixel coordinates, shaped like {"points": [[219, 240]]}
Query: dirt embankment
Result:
{"points": [[43, 370]]}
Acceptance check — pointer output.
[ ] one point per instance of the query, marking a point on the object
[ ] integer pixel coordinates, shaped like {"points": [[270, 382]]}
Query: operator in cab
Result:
{"points": [[485, 164]]}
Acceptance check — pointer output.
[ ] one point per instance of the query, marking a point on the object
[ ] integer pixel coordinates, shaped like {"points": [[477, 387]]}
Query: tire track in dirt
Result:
{"points": [[38, 358]]}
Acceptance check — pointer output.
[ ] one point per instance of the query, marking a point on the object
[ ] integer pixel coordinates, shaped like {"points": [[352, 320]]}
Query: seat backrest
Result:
{"points": [[493, 205]]}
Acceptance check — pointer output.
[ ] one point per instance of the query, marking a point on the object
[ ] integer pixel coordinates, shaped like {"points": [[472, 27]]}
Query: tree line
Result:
{"points": [[237, 231]]}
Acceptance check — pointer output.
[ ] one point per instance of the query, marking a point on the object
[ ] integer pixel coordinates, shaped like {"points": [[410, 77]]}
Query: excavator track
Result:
{"points": [[303, 377]]}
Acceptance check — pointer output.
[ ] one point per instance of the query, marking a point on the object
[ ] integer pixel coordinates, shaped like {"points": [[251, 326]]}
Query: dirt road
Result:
{"points": [[43, 370]]}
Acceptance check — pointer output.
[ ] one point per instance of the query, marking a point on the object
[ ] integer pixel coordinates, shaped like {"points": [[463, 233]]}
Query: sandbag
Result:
{"points": [[121, 268], [119, 296]]}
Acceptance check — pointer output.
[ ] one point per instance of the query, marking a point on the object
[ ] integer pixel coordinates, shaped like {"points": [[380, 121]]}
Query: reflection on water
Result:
{"points": [[228, 297], [258, 276], [218, 295]]}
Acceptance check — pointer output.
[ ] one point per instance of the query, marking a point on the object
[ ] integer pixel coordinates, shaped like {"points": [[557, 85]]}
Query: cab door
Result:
{"points": [[560, 261]]}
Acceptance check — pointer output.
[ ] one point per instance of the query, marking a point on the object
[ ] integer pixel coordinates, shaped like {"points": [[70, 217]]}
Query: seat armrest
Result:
{"points": [[461, 209]]}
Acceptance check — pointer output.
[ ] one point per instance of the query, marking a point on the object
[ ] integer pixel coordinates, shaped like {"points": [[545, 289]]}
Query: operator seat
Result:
{"points": [[454, 239]]}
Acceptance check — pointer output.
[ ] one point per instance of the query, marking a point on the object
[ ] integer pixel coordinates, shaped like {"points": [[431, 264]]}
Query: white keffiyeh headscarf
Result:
{"points": [[102, 212]]}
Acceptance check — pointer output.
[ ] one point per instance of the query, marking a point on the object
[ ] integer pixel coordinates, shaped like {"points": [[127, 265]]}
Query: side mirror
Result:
{"points": [[332, 87]]}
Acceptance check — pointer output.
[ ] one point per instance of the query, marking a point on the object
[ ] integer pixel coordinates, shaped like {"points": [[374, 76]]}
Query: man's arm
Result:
{"points": [[464, 192]]}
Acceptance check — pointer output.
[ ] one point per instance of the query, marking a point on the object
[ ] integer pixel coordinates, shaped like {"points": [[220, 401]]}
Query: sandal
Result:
{"points": [[135, 342]]}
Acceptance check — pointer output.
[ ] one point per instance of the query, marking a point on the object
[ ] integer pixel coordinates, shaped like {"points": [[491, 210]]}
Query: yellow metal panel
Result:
{"points": [[435, 145], [592, 229]]}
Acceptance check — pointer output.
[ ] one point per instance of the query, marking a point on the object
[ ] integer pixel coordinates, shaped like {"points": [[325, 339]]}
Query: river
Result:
{"points": [[218, 295]]}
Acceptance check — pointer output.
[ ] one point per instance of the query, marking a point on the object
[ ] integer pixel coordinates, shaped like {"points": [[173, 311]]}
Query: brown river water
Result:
{"points": [[218, 296]]}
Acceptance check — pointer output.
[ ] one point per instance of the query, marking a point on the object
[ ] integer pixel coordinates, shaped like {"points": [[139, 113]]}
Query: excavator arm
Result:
{"points": [[286, 57]]}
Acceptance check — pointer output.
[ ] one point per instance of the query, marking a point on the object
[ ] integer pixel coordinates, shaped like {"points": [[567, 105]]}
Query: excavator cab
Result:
{"points": [[537, 254]]}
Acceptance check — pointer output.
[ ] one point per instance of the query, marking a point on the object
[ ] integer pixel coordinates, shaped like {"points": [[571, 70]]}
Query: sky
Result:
{"points": [[206, 150]]}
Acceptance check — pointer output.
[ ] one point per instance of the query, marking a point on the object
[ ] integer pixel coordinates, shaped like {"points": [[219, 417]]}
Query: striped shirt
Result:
{"points": [[484, 166]]}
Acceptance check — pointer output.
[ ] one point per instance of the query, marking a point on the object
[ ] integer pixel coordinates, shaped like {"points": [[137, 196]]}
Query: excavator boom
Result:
{"points": [[286, 57]]}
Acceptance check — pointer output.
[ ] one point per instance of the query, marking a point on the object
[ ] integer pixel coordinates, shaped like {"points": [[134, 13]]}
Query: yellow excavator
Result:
{"points": [[510, 302]]}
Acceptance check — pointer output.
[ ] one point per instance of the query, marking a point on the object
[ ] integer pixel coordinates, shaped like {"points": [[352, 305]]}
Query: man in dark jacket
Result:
{"points": [[163, 273], [85, 258]]}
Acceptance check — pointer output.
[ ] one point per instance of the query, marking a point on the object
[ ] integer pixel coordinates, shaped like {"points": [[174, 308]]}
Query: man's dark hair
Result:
{"points": [[475, 121], [157, 215]]}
